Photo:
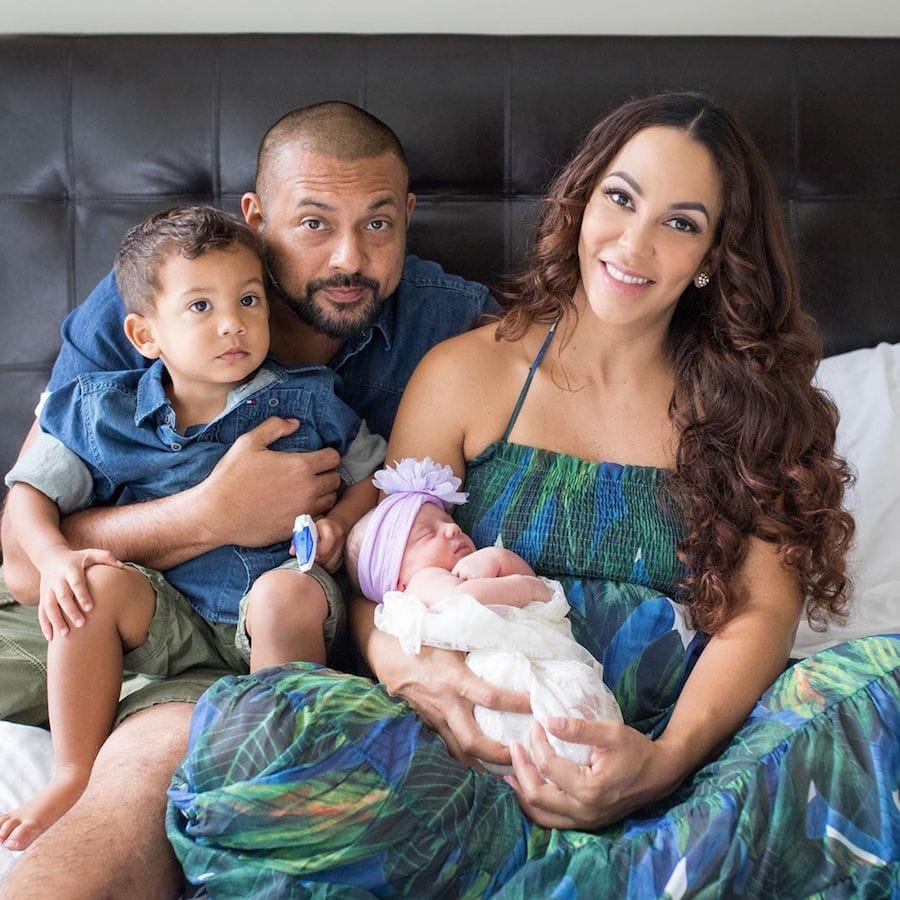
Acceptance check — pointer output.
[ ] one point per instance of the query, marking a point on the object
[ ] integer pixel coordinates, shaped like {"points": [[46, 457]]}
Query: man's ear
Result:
{"points": [[410, 205], [139, 330], [251, 207]]}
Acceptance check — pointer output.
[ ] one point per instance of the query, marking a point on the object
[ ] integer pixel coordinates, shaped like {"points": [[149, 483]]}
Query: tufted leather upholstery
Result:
{"points": [[96, 132]]}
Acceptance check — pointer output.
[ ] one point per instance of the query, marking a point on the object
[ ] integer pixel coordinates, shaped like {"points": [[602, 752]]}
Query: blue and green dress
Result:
{"points": [[303, 782]]}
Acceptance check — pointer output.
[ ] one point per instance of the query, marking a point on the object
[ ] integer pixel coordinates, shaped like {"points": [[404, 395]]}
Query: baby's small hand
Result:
{"points": [[537, 589], [330, 549], [476, 565]]}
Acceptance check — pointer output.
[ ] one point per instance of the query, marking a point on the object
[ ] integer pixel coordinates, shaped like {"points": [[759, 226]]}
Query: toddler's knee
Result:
{"points": [[103, 578], [111, 587], [284, 598]]}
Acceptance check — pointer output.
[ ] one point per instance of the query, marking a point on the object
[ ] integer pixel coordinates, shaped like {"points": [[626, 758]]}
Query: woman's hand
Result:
{"points": [[438, 685], [626, 771], [443, 690]]}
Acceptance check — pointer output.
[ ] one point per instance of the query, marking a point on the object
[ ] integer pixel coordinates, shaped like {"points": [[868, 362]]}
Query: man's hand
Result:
{"points": [[254, 494], [65, 598]]}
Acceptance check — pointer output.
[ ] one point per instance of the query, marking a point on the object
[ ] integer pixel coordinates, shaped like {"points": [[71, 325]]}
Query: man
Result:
{"points": [[332, 207]]}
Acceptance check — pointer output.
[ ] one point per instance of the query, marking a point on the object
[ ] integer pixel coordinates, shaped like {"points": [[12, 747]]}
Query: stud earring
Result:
{"points": [[702, 279]]}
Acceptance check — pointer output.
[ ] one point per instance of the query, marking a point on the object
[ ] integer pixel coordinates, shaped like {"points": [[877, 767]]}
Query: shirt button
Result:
{"points": [[175, 446], [273, 401]]}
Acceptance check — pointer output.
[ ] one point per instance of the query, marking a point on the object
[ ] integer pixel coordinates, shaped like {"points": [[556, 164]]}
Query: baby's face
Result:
{"points": [[434, 540]]}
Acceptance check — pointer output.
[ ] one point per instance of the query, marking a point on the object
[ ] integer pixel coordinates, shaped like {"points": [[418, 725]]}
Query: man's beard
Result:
{"points": [[332, 320]]}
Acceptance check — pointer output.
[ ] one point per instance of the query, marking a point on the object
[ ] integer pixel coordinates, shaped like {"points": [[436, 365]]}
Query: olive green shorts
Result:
{"points": [[182, 656], [335, 624]]}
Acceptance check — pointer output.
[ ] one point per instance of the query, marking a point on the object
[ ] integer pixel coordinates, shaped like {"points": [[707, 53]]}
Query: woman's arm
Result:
{"points": [[628, 770], [438, 685], [447, 390]]}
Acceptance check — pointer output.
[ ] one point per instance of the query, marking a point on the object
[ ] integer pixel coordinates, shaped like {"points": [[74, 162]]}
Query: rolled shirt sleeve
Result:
{"points": [[53, 469]]}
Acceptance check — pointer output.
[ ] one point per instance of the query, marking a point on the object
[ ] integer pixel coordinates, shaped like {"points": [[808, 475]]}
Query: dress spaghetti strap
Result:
{"points": [[532, 369]]}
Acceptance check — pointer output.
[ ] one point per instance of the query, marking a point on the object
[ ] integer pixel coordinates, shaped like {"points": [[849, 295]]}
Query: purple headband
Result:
{"points": [[408, 487]]}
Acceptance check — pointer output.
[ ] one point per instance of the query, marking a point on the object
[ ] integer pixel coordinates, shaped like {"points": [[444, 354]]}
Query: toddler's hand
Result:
{"points": [[330, 549], [65, 598]]}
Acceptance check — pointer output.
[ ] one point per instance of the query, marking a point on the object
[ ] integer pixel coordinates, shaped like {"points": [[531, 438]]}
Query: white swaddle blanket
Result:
{"points": [[529, 649]]}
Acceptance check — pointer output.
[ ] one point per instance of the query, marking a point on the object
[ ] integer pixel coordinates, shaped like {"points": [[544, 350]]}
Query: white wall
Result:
{"points": [[862, 18]]}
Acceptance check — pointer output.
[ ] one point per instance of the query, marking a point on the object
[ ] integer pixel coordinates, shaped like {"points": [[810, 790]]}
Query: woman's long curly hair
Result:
{"points": [[756, 450]]}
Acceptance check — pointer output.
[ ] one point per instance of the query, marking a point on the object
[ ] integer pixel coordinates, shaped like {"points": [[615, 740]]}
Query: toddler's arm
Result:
{"points": [[64, 596], [362, 457], [334, 526]]}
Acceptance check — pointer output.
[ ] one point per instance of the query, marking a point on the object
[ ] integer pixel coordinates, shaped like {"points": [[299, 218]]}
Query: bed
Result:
{"points": [[98, 131]]}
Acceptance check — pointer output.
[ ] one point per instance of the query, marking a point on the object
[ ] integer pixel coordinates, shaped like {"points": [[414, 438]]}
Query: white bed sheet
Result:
{"points": [[26, 764]]}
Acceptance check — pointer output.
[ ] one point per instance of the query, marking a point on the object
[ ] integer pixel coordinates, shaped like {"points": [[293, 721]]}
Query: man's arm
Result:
{"points": [[22, 578], [64, 595], [251, 498]]}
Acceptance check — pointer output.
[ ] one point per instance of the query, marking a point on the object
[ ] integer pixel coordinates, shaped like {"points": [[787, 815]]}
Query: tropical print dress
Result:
{"points": [[302, 782]]}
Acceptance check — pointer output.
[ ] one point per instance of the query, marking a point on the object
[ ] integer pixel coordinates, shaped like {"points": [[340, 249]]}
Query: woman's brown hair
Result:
{"points": [[756, 451]]}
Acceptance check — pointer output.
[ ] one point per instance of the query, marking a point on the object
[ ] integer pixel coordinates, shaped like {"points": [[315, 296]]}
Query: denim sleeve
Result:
{"points": [[70, 416], [58, 473], [364, 455], [93, 339], [490, 304]]}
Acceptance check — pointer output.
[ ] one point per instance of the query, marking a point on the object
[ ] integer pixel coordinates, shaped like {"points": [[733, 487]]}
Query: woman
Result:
{"points": [[641, 426]]}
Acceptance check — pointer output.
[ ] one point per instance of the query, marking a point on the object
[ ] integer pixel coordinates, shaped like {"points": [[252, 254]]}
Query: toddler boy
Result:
{"points": [[192, 282]]}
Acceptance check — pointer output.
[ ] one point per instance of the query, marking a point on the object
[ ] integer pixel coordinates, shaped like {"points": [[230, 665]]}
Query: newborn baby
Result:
{"points": [[435, 588]]}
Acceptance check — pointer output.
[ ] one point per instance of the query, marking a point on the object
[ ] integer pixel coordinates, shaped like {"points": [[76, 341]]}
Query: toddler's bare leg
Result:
{"points": [[285, 615], [84, 677]]}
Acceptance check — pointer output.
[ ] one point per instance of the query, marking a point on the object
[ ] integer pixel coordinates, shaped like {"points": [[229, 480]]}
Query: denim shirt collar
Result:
{"points": [[384, 323], [151, 396], [151, 401]]}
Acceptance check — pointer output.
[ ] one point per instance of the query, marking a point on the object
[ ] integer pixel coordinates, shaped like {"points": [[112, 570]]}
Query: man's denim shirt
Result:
{"points": [[120, 427], [428, 306]]}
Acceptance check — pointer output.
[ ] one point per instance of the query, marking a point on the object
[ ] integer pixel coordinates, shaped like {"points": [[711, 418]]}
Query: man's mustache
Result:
{"points": [[342, 282]]}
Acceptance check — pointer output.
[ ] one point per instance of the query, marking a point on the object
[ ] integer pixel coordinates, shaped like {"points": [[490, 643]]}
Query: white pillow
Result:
{"points": [[865, 384]]}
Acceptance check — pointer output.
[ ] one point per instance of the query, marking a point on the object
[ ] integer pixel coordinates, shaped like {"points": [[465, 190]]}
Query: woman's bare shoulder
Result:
{"points": [[474, 342], [471, 356]]}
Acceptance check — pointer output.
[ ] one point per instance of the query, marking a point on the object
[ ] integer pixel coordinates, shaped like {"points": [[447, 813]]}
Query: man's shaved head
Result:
{"points": [[333, 129]]}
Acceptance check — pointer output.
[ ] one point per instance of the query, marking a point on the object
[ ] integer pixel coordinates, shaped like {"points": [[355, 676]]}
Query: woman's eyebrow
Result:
{"points": [[685, 204], [629, 181], [689, 204]]}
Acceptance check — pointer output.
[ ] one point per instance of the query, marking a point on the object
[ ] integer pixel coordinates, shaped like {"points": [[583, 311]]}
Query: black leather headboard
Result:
{"points": [[96, 132]]}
